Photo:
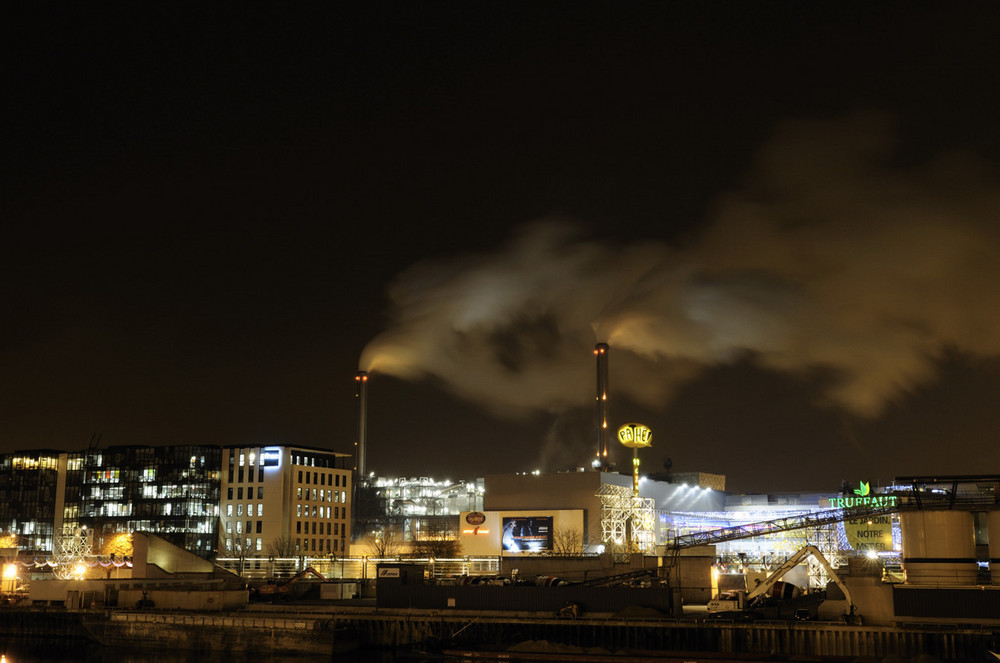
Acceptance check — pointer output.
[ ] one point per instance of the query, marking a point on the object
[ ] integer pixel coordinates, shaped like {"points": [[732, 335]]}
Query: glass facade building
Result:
{"points": [[29, 489], [172, 492]]}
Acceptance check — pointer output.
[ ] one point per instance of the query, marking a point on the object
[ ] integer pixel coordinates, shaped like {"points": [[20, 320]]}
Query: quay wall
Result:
{"points": [[785, 639], [323, 633], [213, 632]]}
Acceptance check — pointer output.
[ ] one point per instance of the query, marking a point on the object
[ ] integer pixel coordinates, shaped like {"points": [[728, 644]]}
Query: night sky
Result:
{"points": [[784, 218]]}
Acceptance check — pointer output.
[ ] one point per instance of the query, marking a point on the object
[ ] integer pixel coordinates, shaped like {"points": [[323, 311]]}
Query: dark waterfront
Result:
{"points": [[35, 652]]}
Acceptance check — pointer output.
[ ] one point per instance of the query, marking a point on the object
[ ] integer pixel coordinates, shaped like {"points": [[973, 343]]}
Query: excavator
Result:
{"points": [[282, 590], [771, 595]]}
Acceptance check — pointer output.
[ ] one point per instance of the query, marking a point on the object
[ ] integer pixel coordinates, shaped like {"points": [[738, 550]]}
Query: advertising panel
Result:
{"points": [[872, 533], [527, 534]]}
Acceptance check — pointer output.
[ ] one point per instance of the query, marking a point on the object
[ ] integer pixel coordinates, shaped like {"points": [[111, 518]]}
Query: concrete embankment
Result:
{"points": [[778, 639], [236, 633], [326, 630]]}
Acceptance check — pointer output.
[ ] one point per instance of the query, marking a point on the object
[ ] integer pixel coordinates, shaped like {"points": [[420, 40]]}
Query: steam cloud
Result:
{"points": [[830, 258]]}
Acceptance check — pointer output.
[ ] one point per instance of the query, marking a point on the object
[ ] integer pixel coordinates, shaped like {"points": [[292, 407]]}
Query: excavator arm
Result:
{"points": [[793, 561]]}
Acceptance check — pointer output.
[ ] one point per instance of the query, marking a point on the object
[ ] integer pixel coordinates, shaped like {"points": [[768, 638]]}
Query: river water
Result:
{"points": [[21, 652]]}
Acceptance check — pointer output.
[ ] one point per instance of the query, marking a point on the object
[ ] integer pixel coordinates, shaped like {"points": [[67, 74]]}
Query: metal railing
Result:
{"points": [[354, 568]]}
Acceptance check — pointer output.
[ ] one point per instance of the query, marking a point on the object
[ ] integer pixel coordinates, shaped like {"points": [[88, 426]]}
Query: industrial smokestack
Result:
{"points": [[361, 432], [603, 461]]}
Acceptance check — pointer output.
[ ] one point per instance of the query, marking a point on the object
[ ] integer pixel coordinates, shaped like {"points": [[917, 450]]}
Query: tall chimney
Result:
{"points": [[361, 433], [603, 461]]}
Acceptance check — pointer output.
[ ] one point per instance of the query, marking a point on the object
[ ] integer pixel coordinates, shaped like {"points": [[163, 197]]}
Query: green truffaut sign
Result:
{"points": [[864, 498]]}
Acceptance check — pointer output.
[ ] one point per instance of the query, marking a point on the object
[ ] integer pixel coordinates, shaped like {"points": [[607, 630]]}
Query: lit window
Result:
{"points": [[243, 460], [239, 509], [229, 510], [260, 510]]}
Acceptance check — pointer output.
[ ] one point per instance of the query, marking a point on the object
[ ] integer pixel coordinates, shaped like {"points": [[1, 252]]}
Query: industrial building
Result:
{"points": [[420, 510]]}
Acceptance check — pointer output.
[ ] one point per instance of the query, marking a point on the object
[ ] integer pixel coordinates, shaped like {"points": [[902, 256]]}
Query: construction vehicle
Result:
{"points": [[771, 595], [283, 589]]}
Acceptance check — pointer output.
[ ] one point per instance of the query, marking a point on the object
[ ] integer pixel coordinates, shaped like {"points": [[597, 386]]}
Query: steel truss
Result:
{"points": [[626, 520], [817, 519]]}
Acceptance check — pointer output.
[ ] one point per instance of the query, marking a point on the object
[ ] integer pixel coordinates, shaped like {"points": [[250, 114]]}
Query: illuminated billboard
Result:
{"points": [[527, 534]]}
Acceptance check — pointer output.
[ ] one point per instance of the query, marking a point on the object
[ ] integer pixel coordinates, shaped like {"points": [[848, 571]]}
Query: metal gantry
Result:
{"points": [[904, 502]]}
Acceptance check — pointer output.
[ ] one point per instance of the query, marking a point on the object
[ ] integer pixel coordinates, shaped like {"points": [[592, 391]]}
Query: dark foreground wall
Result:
{"points": [[783, 640], [321, 636], [526, 599], [965, 603]]}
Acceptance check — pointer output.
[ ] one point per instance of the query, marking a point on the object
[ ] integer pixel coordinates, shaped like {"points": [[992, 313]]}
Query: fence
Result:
{"points": [[354, 568]]}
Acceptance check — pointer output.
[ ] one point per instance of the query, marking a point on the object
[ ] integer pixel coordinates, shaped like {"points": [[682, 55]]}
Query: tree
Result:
{"points": [[441, 548], [567, 541], [384, 544], [119, 545], [437, 536], [280, 547]]}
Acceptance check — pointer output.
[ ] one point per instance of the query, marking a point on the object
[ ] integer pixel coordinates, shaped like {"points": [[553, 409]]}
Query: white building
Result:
{"points": [[285, 501]]}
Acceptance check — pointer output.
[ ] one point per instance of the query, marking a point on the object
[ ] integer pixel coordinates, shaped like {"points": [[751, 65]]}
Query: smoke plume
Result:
{"points": [[831, 257]]}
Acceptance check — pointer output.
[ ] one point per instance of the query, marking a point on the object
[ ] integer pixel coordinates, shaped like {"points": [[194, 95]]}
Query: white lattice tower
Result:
{"points": [[72, 547], [643, 520], [824, 538], [618, 508], [616, 505]]}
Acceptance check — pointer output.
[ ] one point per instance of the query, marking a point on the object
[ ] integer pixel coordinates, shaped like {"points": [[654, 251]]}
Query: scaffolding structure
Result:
{"points": [[73, 548], [626, 520]]}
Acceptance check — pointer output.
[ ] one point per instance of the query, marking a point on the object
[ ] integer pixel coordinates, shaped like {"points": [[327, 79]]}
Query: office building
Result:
{"points": [[285, 502]]}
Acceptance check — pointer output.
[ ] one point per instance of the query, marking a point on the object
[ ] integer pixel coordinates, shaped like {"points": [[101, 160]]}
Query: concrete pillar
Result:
{"points": [[939, 548]]}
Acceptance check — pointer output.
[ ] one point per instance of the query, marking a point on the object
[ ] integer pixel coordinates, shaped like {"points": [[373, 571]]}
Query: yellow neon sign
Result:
{"points": [[634, 435]]}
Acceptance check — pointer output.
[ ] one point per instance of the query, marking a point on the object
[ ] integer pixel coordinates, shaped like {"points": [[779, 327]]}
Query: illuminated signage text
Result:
{"points": [[270, 457], [635, 435]]}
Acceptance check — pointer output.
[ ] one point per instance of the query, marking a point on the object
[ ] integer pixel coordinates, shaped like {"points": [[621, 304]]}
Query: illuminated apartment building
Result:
{"points": [[170, 491], [29, 489], [284, 501]]}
